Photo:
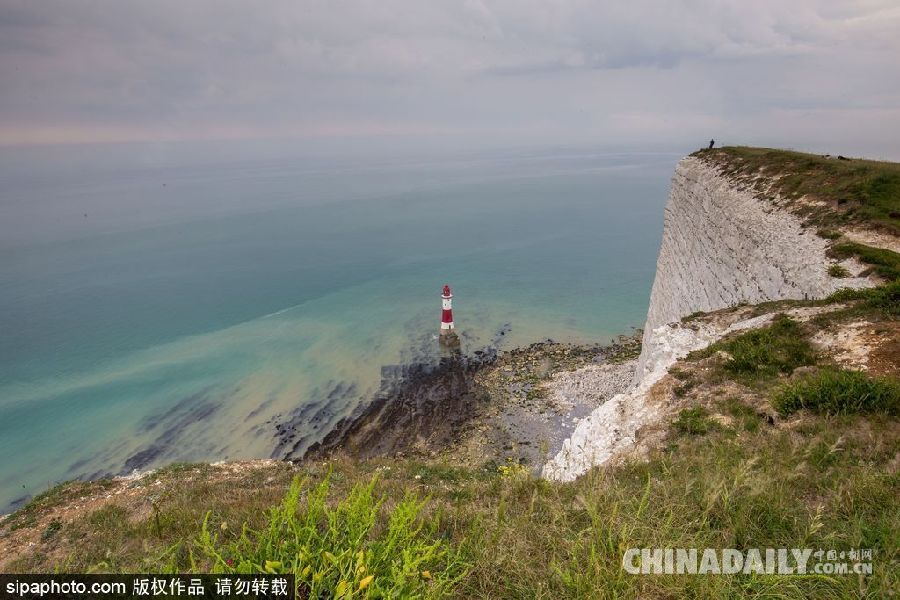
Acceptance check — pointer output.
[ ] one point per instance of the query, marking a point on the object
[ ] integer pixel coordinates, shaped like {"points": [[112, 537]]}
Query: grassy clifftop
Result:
{"points": [[850, 190]]}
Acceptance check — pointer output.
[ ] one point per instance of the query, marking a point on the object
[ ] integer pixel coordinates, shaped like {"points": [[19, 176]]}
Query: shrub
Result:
{"points": [[838, 271], [836, 391], [342, 550]]}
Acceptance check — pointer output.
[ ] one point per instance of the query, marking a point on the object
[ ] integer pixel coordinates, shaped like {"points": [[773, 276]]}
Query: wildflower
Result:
{"points": [[365, 583]]}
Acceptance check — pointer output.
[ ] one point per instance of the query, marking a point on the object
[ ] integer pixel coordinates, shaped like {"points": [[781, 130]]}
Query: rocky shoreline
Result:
{"points": [[484, 407]]}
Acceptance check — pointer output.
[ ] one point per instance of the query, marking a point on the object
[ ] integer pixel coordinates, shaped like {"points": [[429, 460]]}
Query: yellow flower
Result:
{"points": [[365, 583], [341, 588], [426, 574]]}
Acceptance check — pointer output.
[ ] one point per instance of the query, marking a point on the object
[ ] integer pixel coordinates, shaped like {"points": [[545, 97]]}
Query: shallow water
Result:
{"points": [[174, 310]]}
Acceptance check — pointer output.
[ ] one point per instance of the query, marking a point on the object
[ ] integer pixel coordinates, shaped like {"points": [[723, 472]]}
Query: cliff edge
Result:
{"points": [[733, 235]]}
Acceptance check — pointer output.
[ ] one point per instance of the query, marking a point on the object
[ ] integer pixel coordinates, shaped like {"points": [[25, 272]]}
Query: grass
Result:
{"points": [[884, 262], [837, 391], [351, 548], [745, 417], [694, 421], [54, 495], [473, 533], [761, 354], [882, 301], [855, 190]]}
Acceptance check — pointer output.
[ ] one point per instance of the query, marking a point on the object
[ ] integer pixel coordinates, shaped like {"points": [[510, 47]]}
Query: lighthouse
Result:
{"points": [[448, 336]]}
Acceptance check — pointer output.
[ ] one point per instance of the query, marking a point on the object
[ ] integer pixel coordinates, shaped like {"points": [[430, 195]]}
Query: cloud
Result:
{"points": [[99, 70]]}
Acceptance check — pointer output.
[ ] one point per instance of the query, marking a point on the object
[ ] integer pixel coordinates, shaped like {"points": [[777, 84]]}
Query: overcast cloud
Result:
{"points": [[799, 73]]}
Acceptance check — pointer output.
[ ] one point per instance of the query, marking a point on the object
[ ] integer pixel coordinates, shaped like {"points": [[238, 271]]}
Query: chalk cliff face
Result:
{"points": [[721, 246]]}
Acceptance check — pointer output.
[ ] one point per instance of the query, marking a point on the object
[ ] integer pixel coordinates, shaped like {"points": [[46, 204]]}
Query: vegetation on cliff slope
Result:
{"points": [[765, 352], [851, 190], [885, 263]]}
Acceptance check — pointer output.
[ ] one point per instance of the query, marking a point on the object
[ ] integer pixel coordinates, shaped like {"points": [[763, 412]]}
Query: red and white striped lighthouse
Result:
{"points": [[447, 312], [448, 336]]}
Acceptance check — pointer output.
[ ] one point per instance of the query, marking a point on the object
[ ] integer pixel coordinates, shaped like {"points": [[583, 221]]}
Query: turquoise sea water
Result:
{"points": [[174, 309]]}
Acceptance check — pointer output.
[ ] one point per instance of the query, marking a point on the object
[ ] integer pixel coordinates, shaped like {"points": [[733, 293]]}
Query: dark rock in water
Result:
{"points": [[168, 427], [142, 458], [415, 401], [312, 415], [19, 502]]}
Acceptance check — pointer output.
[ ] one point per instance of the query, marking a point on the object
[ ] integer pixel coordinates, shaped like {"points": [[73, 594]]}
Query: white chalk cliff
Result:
{"points": [[721, 246]]}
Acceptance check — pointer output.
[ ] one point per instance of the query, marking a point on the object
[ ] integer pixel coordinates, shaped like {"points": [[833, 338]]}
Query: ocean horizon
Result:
{"points": [[163, 309]]}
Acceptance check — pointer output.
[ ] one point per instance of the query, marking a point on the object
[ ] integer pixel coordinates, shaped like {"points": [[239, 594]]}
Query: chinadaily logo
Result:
{"points": [[762, 561]]}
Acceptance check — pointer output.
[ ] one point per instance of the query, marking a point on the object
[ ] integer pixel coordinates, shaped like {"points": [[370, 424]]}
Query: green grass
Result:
{"points": [[883, 301], [762, 354], [746, 417], [836, 391], [884, 262], [857, 190], [694, 421], [352, 548]]}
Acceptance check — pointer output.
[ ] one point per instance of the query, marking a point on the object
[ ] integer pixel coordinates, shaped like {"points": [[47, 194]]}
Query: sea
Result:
{"points": [[161, 303]]}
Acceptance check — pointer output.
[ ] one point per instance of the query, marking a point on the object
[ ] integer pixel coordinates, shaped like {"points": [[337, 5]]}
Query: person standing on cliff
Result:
{"points": [[711, 144]]}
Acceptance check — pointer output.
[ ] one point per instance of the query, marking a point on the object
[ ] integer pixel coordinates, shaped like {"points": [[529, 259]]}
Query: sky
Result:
{"points": [[819, 75]]}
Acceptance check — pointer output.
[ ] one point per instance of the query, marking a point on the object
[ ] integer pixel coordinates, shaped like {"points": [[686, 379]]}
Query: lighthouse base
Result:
{"points": [[449, 338]]}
